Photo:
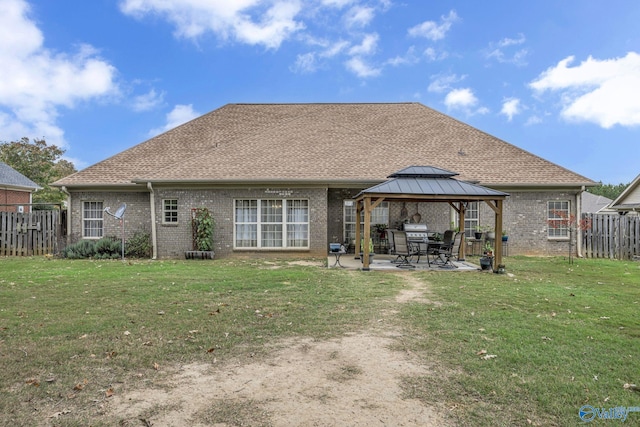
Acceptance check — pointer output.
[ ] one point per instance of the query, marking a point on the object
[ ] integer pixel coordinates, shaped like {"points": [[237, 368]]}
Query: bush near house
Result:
{"points": [[138, 246]]}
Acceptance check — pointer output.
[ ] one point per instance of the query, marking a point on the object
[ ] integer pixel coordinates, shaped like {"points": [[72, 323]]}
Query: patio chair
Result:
{"points": [[447, 238], [392, 246], [451, 251], [404, 249], [447, 241]]}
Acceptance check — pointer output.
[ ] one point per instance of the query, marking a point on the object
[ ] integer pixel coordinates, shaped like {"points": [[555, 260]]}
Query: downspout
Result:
{"points": [[65, 191], [154, 237], [579, 216]]}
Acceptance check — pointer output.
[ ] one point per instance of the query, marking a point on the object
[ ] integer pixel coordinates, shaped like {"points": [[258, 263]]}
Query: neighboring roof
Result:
{"points": [[428, 182], [593, 203], [629, 200], [327, 143], [9, 177]]}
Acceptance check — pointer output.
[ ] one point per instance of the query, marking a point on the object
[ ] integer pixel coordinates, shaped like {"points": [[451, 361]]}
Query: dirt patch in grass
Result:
{"points": [[355, 380], [415, 290]]}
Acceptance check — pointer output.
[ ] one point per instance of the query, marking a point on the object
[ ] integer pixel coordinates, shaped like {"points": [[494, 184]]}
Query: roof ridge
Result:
{"points": [[323, 103]]}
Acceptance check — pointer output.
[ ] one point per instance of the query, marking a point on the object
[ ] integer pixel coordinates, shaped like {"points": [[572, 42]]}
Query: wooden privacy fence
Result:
{"points": [[33, 233], [612, 236]]}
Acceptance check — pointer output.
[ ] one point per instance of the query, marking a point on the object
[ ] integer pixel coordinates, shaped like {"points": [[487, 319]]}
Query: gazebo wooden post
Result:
{"points": [[498, 230], [367, 233], [356, 250], [461, 213]]}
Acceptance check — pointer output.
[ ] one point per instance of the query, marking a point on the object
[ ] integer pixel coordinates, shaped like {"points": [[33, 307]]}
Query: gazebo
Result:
{"points": [[428, 184]]}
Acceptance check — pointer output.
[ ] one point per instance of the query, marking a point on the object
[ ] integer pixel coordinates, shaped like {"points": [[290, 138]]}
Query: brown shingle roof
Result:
{"points": [[322, 142]]}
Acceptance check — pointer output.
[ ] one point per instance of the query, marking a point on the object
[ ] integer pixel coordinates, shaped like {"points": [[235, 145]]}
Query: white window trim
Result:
{"points": [[557, 238], [84, 236], [351, 204], [455, 220], [284, 223]]}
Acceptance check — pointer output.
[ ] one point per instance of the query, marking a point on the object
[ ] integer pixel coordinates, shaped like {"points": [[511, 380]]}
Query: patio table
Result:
{"points": [[430, 247]]}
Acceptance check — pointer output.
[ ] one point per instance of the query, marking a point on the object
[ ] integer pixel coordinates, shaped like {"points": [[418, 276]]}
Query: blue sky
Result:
{"points": [[560, 79]]}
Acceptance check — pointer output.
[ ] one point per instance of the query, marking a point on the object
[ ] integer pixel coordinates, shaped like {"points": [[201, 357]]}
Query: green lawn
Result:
{"points": [[562, 335]]}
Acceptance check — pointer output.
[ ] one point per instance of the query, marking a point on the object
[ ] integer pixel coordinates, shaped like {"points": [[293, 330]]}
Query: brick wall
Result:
{"points": [[136, 218], [335, 215], [525, 218], [14, 197], [525, 221], [174, 239]]}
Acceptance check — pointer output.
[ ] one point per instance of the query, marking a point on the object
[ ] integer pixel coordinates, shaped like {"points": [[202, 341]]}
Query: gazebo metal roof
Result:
{"points": [[429, 184]]}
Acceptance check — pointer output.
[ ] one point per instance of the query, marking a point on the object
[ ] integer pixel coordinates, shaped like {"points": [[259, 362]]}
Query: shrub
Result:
{"points": [[138, 245], [82, 249], [108, 248], [202, 226]]}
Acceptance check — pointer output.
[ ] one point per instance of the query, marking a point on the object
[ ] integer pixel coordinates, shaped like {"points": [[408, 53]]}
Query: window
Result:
{"points": [[557, 215], [471, 219], [170, 211], [349, 221], [272, 223], [298, 223], [92, 220], [379, 215]]}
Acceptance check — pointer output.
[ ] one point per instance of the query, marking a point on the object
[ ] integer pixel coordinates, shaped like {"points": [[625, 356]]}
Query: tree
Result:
{"points": [[571, 223], [39, 162], [610, 191]]}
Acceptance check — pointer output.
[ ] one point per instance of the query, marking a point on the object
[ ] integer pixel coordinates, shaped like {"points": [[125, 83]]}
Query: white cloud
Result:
{"points": [[270, 23], [36, 82], [497, 51], [433, 55], [356, 64], [511, 107], [407, 59], [443, 82], [533, 120], [335, 49], [432, 30], [367, 47], [605, 92], [460, 98], [305, 63], [360, 68], [464, 100], [511, 42], [179, 115], [148, 101], [337, 3], [359, 16], [224, 18]]}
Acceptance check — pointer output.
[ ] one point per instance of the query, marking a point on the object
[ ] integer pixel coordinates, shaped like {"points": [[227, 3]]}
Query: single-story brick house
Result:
{"points": [[281, 178], [16, 190]]}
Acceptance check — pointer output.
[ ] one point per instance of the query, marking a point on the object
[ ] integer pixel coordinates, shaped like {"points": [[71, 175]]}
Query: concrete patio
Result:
{"points": [[385, 262]]}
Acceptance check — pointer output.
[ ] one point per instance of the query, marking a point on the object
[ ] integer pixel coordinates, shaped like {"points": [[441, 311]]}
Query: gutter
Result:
{"points": [[579, 216], [65, 191], [154, 235], [284, 182]]}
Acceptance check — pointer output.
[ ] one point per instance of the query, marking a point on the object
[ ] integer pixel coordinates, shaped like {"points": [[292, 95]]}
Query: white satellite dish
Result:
{"points": [[119, 215]]}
